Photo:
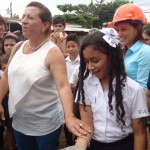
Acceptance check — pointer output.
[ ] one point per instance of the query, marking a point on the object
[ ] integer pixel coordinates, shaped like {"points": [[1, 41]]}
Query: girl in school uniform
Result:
{"points": [[112, 104]]}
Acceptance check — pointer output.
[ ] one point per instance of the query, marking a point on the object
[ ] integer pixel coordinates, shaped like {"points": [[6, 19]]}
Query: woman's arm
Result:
{"points": [[57, 66], [140, 134], [86, 116], [3, 92]]}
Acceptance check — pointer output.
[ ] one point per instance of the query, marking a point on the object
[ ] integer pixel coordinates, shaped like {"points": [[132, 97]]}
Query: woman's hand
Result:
{"points": [[76, 126]]}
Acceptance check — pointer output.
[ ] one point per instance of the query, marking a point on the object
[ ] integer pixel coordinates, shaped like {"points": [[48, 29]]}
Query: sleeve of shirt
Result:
{"points": [[148, 82], [86, 94], [143, 67], [138, 103], [74, 77]]}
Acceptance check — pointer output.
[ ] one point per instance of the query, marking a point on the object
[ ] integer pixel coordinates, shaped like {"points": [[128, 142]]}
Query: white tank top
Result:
{"points": [[34, 102]]}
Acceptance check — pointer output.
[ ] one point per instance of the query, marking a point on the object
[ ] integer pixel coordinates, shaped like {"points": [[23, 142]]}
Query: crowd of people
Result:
{"points": [[97, 89]]}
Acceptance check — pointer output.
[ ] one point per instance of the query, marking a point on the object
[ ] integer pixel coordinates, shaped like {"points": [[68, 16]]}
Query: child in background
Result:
{"points": [[4, 60], [112, 104], [72, 61], [59, 35], [146, 36], [9, 41], [3, 28], [74, 78]]}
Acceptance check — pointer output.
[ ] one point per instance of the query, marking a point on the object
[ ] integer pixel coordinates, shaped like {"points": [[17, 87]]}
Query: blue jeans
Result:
{"points": [[45, 142]]}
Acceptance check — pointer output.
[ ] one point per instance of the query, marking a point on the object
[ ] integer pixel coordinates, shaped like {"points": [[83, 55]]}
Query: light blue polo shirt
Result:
{"points": [[137, 63]]}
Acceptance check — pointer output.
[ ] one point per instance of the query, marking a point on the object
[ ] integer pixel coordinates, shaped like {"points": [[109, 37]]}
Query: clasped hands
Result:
{"points": [[78, 128]]}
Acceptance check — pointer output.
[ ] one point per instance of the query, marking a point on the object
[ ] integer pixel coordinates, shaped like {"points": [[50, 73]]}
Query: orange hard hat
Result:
{"points": [[129, 12]]}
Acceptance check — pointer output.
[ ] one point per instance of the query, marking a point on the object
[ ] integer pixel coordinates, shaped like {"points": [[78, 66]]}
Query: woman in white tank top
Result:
{"points": [[37, 82]]}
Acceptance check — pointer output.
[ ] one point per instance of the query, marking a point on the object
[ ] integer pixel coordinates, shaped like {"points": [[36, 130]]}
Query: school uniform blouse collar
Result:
{"points": [[95, 81], [136, 46], [77, 59]]}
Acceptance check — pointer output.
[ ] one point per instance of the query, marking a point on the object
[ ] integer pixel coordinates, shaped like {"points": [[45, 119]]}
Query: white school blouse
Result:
{"points": [[34, 102], [106, 129]]}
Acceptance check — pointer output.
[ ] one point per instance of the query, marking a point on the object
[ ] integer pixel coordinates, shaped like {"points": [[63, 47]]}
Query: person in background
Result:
{"points": [[128, 21], [9, 41], [74, 78], [111, 103], [72, 61], [75, 75], [3, 61], [147, 92], [9, 140], [3, 28], [146, 36], [59, 35], [39, 92]]}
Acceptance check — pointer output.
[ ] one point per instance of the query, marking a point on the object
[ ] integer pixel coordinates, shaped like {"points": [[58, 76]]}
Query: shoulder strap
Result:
{"points": [[19, 45]]}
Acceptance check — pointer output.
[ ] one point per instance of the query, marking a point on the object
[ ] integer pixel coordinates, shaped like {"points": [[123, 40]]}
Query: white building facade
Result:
{"points": [[145, 5]]}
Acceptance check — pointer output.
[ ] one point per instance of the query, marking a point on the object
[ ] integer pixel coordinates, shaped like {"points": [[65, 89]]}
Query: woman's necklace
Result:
{"points": [[34, 49]]}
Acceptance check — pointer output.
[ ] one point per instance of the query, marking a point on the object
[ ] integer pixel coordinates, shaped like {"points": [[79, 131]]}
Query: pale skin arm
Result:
{"points": [[140, 134], [4, 83], [86, 117], [56, 64]]}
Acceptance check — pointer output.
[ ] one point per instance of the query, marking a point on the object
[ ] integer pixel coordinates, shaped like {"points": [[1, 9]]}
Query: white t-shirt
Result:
{"points": [[106, 128], [71, 65], [75, 76]]}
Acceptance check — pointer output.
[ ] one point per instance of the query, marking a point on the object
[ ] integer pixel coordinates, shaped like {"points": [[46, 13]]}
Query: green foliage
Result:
{"points": [[92, 15], [84, 20], [147, 27], [106, 11]]}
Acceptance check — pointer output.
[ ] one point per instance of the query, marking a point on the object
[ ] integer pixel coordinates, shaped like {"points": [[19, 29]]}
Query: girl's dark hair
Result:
{"points": [[45, 14], [116, 67], [11, 36], [73, 37]]}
